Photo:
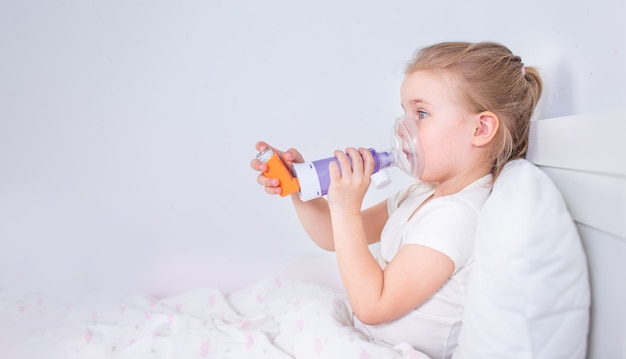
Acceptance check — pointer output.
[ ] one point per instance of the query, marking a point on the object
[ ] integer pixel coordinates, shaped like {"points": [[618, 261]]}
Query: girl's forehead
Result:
{"points": [[429, 86]]}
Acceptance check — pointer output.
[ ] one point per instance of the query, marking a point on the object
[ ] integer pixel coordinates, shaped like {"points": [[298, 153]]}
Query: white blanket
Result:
{"points": [[275, 318]]}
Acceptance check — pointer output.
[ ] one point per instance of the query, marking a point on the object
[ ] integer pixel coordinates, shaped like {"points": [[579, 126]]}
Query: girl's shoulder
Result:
{"points": [[413, 191], [472, 196]]}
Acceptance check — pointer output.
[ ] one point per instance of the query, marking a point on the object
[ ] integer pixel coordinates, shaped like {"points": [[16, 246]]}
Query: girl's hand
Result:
{"points": [[288, 157], [348, 187]]}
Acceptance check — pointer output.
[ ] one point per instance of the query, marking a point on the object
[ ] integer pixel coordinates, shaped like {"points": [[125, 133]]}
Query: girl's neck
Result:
{"points": [[459, 182]]}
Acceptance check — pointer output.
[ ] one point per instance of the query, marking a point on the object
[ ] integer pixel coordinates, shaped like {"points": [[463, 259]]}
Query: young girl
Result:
{"points": [[472, 104]]}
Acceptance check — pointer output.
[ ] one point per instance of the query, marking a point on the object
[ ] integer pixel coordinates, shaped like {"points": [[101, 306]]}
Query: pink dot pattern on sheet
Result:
{"points": [[277, 318], [205, 347]]}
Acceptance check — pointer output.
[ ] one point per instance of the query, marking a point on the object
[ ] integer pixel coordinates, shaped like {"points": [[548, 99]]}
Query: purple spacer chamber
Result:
{"points": [[314, 177]]}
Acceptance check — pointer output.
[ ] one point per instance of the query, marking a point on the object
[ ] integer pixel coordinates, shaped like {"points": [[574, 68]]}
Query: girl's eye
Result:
{"points": [[422, 114]]}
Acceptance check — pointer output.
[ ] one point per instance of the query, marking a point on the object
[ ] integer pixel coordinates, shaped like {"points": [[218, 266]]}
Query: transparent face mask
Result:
{"points": [[407, 147]]}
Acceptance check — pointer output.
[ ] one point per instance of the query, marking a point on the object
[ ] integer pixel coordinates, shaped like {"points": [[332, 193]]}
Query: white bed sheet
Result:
{"points": [[278, 317]]}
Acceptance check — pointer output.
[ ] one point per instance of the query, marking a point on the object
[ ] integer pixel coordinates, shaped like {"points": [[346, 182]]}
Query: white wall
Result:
{"points": [[127, 127]]}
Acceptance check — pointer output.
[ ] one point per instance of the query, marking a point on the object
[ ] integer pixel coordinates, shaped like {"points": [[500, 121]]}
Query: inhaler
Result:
{"points": [[312, 179]]}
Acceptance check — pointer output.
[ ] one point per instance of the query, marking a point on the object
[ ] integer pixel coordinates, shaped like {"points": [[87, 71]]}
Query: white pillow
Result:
{"points": [[528, 295]]}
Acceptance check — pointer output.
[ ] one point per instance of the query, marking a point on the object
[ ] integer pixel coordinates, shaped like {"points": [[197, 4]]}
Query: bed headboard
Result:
{"points": [[585, 156]]}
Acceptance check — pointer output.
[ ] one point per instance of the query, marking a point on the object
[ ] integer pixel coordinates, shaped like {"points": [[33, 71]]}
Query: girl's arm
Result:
{"points": [[315, 218], [411, 278]]}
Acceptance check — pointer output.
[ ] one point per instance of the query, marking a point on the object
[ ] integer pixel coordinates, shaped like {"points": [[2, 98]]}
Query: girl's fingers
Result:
{"points": [[292, 155], [344, 163], [257, 165], [368, 161], [261, 146], [357, 160], [273, 190]]}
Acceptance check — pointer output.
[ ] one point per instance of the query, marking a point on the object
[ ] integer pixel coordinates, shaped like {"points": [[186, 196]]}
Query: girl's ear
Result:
{"points": [[487, 124]]}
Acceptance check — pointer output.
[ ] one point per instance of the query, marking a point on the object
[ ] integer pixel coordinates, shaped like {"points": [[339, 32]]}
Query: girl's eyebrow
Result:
{"points": [[419, 100], [416, 101]]}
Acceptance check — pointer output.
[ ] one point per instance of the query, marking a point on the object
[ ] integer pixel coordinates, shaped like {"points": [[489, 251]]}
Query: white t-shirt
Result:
{"points": [[446, 224]]}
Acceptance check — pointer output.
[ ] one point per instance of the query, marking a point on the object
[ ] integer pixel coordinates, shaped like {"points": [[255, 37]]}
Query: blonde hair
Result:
{"points": [[492, 79]]}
